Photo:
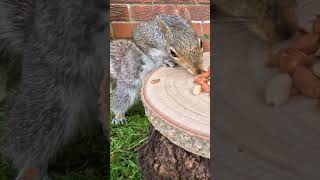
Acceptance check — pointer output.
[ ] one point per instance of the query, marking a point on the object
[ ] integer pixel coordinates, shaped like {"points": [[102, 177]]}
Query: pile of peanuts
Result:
{"points": [[203, 82], [299, 67]]}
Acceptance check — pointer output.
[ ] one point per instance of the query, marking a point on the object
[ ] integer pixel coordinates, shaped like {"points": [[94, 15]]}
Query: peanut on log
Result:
{"points": [[203, 80], [197, 90], [155, 81], [307, 43], [306, 82], [205, 87], [301, 65], [287, 60], [200, 80], [278, 90]]}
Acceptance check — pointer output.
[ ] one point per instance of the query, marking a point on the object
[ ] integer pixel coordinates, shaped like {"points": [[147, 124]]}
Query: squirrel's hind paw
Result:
{"points": [[116, 121], [168, 63], [119, 119]]}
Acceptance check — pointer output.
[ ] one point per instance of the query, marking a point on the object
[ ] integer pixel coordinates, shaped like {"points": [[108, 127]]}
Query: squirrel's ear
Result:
{"points": [[164, 29], [111, 32], [187, 16]]}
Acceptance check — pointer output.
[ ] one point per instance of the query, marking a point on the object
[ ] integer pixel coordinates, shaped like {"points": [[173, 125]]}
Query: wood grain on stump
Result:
{"points": [[175, 112]]}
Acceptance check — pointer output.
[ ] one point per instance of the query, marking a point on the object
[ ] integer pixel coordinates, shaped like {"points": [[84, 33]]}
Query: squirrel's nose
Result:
{"points": [[199, 71], [284, 32], [195, 71]]}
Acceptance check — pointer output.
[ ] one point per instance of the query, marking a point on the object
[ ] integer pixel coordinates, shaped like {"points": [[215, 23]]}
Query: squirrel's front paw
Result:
{"points": [[119, 119], [168, 63]]}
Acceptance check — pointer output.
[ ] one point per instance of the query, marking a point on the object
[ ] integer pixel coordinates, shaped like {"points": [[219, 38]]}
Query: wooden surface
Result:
{"points": [[254, 141], [174, 111]]}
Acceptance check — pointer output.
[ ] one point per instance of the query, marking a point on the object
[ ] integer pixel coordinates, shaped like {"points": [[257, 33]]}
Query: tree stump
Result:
{"points": [[179, 144], [161, 159]]}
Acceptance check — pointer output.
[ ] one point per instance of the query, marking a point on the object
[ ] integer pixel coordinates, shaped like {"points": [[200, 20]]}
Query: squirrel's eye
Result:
{"points": [[173, 54]]}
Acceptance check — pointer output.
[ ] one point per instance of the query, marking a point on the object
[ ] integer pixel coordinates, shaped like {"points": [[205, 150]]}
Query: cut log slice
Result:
{"points": [[175, 111]]}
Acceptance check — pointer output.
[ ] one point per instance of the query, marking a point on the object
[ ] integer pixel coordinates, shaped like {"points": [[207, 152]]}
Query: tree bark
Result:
{"points": [[161, 159]]}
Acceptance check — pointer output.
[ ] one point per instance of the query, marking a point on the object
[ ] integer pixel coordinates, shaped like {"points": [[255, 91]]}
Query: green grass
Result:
{"points": [[125, 139]]}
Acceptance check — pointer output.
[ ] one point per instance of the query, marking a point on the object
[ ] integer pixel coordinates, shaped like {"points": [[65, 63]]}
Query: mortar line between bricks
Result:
{"points": [[129, 11], [201, 22]]}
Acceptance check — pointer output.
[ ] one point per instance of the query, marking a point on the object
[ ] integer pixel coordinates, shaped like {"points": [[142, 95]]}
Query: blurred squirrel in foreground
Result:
{"points": [[168, 40], [62, 49]]}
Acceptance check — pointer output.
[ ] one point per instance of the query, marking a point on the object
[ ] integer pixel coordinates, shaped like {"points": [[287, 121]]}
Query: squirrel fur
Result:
{"points": [[167, 40]]}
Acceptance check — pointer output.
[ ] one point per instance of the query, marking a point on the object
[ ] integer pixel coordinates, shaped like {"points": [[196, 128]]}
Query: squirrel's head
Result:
{"points": [[182, 43], [271, 20], [277, 20]]}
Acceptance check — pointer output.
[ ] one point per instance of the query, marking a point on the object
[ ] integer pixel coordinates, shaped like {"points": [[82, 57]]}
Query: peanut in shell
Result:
{"points": [[307, 43], [278, 90], [286, 61], [306, 82]]}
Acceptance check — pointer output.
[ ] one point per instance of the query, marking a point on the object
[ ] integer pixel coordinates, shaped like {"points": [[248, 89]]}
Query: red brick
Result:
{"points": [[204, 1], [206, 28], [206, 46], [116, 1], [148, 12], [196, 28], [123, 29], [199, 12], [119, 12]]}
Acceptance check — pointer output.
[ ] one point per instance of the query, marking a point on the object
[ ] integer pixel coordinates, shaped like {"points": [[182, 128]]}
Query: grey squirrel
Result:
{"points": [[62, 48], [168, 40], [271, 20]]}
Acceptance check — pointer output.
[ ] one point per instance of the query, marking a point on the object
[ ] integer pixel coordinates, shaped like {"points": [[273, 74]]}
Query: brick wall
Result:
{"points": [[125, 15]]}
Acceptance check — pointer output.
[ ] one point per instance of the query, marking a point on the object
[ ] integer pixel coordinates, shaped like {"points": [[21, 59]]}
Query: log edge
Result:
{"points": [[188, 140]]}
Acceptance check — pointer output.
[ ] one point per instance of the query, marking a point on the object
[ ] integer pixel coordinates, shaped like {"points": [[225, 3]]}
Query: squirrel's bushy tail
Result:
{"points": [[118, 50], [15, 15]]}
